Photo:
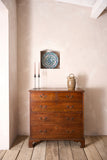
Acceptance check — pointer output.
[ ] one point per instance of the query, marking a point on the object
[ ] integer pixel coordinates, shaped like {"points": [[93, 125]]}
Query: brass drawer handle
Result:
{"points": [[67, 96], [43, 96], [45, 118], [72, 106], [45, 131], [72, 131], [45, 106], [67, 118], [71, 96]]}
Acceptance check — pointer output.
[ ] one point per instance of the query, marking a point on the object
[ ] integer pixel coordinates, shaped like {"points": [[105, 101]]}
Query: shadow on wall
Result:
{"points": [[104, 12], [93, 107], [25, 63]]}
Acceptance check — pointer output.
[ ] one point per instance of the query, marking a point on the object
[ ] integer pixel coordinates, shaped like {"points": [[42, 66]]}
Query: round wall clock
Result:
{"points": [[50, 60]]}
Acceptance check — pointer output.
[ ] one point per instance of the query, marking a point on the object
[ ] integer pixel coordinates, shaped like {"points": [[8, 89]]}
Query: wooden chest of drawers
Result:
{"points": [[56, 115]]}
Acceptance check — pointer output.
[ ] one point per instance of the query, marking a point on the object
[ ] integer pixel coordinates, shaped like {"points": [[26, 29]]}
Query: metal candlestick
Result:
{"points": [[35, 81], [39, 81]]}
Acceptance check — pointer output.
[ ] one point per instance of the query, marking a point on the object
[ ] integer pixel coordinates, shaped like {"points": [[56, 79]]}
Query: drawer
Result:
{"points": [[56, 107], [69, 96], [51, 131], [56, 118], [43, 96]]}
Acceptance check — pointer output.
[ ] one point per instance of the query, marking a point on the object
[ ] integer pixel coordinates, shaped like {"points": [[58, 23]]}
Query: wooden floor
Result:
{"points": [[96, 149]]}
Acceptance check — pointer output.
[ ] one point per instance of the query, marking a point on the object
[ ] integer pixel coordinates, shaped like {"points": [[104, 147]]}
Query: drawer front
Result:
{"points": [[43, 96], [51, 131], [56, 107], [69, 96], [56, 118]]}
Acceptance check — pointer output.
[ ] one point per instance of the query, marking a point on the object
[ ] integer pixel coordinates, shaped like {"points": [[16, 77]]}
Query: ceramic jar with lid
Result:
{"points": [[71, 82]]}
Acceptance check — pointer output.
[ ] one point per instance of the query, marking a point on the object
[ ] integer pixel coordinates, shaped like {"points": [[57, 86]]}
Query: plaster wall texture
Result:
{"points": [[4, 78], [82, 42], [12, 12]]}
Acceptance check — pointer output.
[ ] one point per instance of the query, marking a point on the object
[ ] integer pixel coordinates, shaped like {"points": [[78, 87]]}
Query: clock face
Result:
{"points": [[50, 60]]}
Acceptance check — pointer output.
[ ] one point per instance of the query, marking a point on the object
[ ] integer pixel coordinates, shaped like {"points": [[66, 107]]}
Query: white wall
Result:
{"points": [[8, 61], [4, 78], [82, 42]]}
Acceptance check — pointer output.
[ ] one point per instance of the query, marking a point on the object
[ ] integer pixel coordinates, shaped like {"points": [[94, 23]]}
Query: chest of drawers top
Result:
{"points": [[55, 95]]}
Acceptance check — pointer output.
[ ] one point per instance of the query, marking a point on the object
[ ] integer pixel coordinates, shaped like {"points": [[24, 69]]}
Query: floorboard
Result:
{"points": [[78, 153], [39, 151], [2, 153], [26, 152], [52, 150], [104, 138], [96, 149], [90, 150], [101, 148], [65, 152], [18, 143], [13, 152]]}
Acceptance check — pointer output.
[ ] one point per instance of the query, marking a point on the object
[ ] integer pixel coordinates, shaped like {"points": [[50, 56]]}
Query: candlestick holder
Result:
{"points": [[39, 81], [34, 81]]}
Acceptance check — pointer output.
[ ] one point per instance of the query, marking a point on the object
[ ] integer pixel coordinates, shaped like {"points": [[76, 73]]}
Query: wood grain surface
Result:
{"points": [[56, 115], [95, 149]]}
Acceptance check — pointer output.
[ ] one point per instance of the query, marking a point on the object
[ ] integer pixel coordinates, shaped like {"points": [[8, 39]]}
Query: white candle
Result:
{"points": [[39, 69], [35, 69]]}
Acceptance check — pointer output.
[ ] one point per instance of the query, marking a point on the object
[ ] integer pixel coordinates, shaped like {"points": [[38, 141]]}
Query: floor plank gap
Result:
{"points": [[58, 150]]}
